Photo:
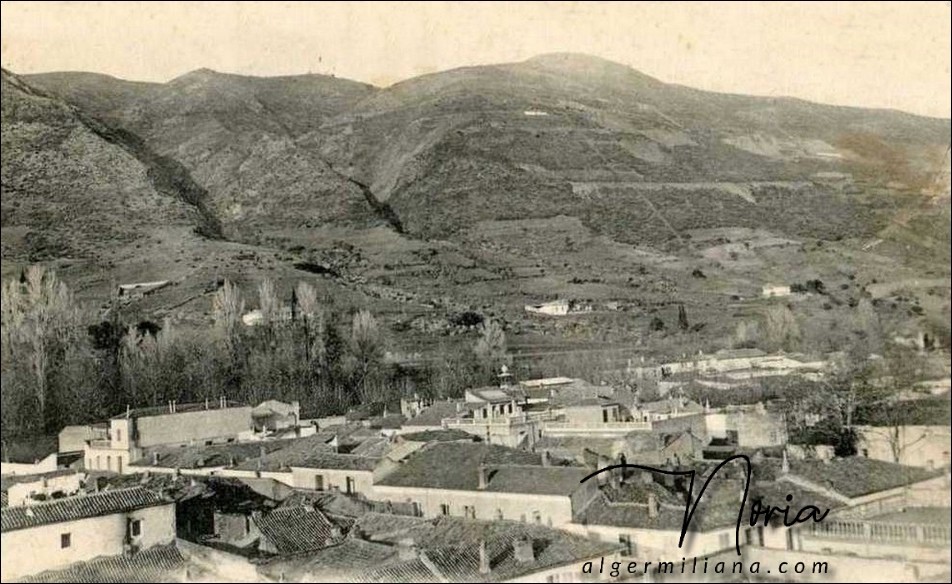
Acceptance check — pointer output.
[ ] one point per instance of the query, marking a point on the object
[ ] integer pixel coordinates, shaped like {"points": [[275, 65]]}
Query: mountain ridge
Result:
{"points": [[409, 192]]}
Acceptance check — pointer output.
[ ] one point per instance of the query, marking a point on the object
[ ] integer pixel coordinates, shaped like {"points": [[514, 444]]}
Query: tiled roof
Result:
{"points": [[79, 507], [7, 481], [334, 461], [295, 529], [278, 454], [214, 455], [156, 564], [574, 446], [415, 570], [454, 465], [449, 548], [291, 453], [627, 504], [333, 563], [387, 527], [388, 422], [449, 435], [536, 480], [856, 476], [179, 409], [377, 446], [273, 407]]}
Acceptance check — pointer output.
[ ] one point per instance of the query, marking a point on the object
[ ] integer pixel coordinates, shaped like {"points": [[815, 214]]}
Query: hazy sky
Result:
{"points": [[894, 55]]}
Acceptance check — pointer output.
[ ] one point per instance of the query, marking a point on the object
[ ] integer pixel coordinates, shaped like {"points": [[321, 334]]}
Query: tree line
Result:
{"points": [[63, 364]]}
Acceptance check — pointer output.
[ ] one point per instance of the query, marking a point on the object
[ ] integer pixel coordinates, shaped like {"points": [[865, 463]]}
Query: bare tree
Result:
{"points": [[312, 321], [490, 349], [781, 328], [268, 302], [366, 353], [227, 308]]}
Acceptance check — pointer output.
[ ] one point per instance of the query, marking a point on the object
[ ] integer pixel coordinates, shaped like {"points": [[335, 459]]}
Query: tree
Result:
{"points": [[746, 334], [107, 338], [268, 302], [683, 318], [227, 309], [885, 405], [781, 328], [366, 354], [490, 349], [43, 350], [312, 322]]}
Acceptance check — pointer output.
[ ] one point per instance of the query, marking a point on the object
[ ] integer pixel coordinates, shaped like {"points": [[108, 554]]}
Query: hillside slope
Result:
{"points": [[236, 136], [489, 188], [74, 187]]}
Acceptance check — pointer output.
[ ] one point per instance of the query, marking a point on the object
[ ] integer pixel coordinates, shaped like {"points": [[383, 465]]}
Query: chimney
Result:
{"points": [[206, 403], [652, 506], [785, 465], [522, 550], [170, 407], [484, 567], [546, 458], [173, 406], [406, 549], [483, 477], [128, 411]]}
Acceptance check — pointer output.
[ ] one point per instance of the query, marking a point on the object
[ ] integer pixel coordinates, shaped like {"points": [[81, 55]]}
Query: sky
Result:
{"points": [[890, 55]]}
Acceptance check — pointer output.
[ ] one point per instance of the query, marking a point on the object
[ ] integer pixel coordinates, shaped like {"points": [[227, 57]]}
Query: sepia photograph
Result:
{"points": [[476, 292]]}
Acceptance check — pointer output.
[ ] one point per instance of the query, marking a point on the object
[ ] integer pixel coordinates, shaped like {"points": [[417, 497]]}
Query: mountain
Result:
{"points": [[236, 135], [488, 188], [561, 134], [73, 186]]}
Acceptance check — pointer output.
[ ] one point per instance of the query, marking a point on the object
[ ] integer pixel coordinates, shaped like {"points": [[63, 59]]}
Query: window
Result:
{"points": [[108, 463], [118, 435], [605, 416], [724, 540], [318, 483], [135, 527], [350, 485], [625, 540], [537, 517], [499, 515], [444, 509], [485, 413], [119, 464], [98, 462], [66, 540], [469, 512]]}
